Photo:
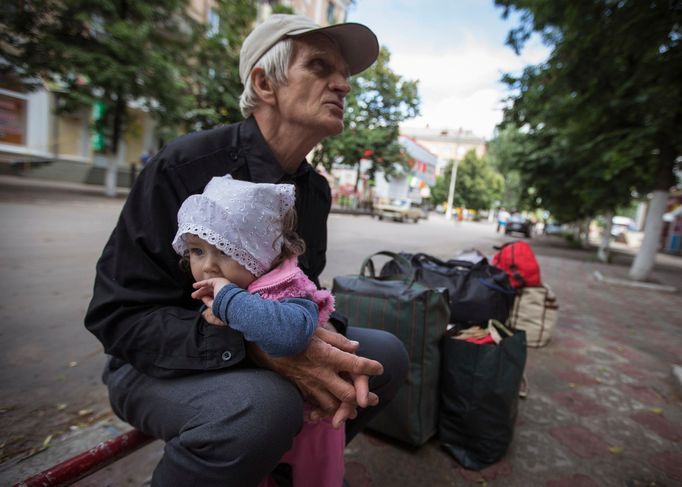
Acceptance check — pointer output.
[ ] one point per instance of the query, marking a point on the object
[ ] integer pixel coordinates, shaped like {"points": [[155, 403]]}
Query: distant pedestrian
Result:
{"points": [[502, 218], [144, 158]]}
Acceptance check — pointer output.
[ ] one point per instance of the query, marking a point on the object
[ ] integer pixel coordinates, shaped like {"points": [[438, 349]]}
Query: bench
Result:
{"points": [[84, 464]]}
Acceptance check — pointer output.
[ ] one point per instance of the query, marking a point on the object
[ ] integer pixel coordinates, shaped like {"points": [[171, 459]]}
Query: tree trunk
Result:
{"points": [[646, 257], [644, 261], [118, 153], [603, 251], [583, 233]]}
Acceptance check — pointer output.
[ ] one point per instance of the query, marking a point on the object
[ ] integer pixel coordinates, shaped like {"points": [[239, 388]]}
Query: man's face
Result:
{"points": [[313, 99]]}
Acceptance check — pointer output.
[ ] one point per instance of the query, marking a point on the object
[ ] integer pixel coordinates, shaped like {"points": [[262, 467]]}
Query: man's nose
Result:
{"points": [[340, 84]]}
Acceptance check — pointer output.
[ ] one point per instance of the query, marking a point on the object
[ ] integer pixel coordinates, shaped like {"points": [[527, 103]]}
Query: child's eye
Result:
{"points": [[196, 251]]}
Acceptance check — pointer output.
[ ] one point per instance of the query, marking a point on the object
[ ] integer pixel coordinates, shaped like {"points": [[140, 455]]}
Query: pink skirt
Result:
{"points": [[316, 456]]}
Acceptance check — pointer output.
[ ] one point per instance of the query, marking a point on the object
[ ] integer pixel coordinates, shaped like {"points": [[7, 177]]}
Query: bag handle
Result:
{"points": [[368, 264], [495, 287], [420, 257]]}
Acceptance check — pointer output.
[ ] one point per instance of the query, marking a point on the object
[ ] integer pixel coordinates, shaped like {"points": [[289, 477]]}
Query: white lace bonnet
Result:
{"points": [[242, 219]]}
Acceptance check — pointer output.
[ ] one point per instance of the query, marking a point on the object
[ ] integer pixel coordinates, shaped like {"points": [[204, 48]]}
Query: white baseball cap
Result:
{"points": [[358, 44]]}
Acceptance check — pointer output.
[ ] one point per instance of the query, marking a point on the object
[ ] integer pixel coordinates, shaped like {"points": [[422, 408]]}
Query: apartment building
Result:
{"points": [[33, 138], [447, 144]]}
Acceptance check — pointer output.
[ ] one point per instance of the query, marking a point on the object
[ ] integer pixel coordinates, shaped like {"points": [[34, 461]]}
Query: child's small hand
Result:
{"points": [[207, 289]]}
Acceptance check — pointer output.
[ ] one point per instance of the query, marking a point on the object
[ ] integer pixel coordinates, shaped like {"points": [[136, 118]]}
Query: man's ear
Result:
{"points": [[263, 86]]}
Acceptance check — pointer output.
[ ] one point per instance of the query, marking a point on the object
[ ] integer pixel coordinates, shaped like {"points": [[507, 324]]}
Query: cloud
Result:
{"points": [[460, 86]]}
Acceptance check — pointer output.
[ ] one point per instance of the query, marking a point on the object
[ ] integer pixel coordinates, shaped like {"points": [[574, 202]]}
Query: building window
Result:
{"points": [[331, 13], [12, 120], [213, 23]]}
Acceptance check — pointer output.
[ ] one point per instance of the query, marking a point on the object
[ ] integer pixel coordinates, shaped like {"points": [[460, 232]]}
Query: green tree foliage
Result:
{"points": [[379, 100], [478, 185], [504, 150], [112, 51], [599, 120], [213, 71]]}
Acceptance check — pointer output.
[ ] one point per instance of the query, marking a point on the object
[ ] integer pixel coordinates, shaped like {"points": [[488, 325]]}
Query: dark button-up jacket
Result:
{"points": [[141, 308]]}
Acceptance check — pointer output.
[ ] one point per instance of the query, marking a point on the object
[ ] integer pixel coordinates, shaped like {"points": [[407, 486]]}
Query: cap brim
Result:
{"points": [[358, 44]]}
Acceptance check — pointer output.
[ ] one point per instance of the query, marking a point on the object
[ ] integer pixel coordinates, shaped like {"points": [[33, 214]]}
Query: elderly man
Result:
{"points": [[226, 410]]}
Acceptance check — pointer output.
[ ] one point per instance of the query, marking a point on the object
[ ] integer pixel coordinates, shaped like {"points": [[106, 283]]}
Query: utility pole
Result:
{"points": [[453, 177], [451, 192]]}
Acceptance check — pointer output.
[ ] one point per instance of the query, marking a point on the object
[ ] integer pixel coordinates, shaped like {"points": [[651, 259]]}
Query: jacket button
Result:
{"points": [[233, 155], [227, 355]]}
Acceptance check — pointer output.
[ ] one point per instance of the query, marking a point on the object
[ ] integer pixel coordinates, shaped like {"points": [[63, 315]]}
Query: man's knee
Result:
{"points": [[261, 422], [386, 348]]}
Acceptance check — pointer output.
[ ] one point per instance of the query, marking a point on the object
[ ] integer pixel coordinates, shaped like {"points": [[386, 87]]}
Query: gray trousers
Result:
{"points": [[231, 427]]}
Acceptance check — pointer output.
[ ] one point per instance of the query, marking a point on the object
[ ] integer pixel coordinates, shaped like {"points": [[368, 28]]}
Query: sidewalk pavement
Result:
{"points": [[603, 407]]}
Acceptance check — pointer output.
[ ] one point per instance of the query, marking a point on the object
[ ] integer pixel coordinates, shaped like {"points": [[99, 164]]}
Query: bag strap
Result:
{"points": [[420, 257], [368, 265], [497, 288], [515, 270]]}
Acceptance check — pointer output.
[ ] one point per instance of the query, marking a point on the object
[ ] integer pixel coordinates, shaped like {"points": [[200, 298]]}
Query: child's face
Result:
{"points": [[206, 261]]}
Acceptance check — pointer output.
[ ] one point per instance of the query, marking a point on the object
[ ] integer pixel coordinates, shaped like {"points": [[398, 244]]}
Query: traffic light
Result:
{"points": [[98, 137]]}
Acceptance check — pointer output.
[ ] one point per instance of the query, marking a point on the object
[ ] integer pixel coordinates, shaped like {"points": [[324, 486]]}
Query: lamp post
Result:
{"points": [[451, 192], [453, 176]]}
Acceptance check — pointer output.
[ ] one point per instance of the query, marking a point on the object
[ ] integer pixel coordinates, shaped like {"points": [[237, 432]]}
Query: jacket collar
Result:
{"points": [[262, 164], [284, 272]]}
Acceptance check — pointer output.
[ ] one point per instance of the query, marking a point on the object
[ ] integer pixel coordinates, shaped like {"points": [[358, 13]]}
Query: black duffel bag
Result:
{"points": [[478, 291]]}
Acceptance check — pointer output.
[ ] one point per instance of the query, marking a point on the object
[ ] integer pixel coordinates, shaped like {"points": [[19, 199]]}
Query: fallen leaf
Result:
{"points": [[73, 364], [61, 406], [571, 385], [656, 410], [84, 412], [47, 440], [616, 450]]}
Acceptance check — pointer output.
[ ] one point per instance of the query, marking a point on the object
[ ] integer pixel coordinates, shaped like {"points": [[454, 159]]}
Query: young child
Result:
{"points": [[240, 242]]}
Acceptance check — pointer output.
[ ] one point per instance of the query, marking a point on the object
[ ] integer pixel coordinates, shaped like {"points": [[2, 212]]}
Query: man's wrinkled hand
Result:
{"points": [[318, 373]]}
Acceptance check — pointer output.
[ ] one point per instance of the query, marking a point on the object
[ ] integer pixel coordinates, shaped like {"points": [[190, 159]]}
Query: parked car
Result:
{"points": [[621, 225], [554, 228], [399, 210], [518, 224]]}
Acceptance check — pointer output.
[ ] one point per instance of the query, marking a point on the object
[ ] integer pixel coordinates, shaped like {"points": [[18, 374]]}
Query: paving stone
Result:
{"points": [[578, 403], [607, 375], [645, 395], [660, 425], [540, 409], [535, 452], [573, 358], [613, 398], [576, 377], [575, 480], [580, 440], [670, 463]]}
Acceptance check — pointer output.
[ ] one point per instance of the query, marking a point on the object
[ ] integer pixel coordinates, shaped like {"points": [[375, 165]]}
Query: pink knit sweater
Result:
{"points": [[287, 280]]}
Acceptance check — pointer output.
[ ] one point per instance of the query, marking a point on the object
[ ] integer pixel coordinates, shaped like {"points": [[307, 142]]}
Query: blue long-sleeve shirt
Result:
{"points": [[279, 328]]}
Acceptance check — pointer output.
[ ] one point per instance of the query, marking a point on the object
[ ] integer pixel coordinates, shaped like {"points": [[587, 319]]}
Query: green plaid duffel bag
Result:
{"points": [[418, 316]]}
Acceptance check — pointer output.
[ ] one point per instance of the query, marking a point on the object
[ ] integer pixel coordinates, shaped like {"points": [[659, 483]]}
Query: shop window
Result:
{"points": [[12, 120]]}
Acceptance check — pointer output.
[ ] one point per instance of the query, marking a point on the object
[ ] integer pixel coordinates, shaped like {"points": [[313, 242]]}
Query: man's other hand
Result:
{"points": [[318, 373]]}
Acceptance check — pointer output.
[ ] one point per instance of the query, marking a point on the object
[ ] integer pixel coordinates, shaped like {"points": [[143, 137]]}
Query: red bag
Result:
{"points": [[518, 261]]}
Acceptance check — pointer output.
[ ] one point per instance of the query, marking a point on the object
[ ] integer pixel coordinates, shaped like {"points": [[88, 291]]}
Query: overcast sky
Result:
{"points": [[456, 49]]}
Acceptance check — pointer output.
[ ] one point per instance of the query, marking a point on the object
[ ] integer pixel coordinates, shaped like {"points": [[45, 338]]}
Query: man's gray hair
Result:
{"points": [[275, 64]]}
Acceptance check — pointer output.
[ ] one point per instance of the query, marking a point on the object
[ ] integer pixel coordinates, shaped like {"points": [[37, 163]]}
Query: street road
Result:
{"points": [[51, 239]]}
